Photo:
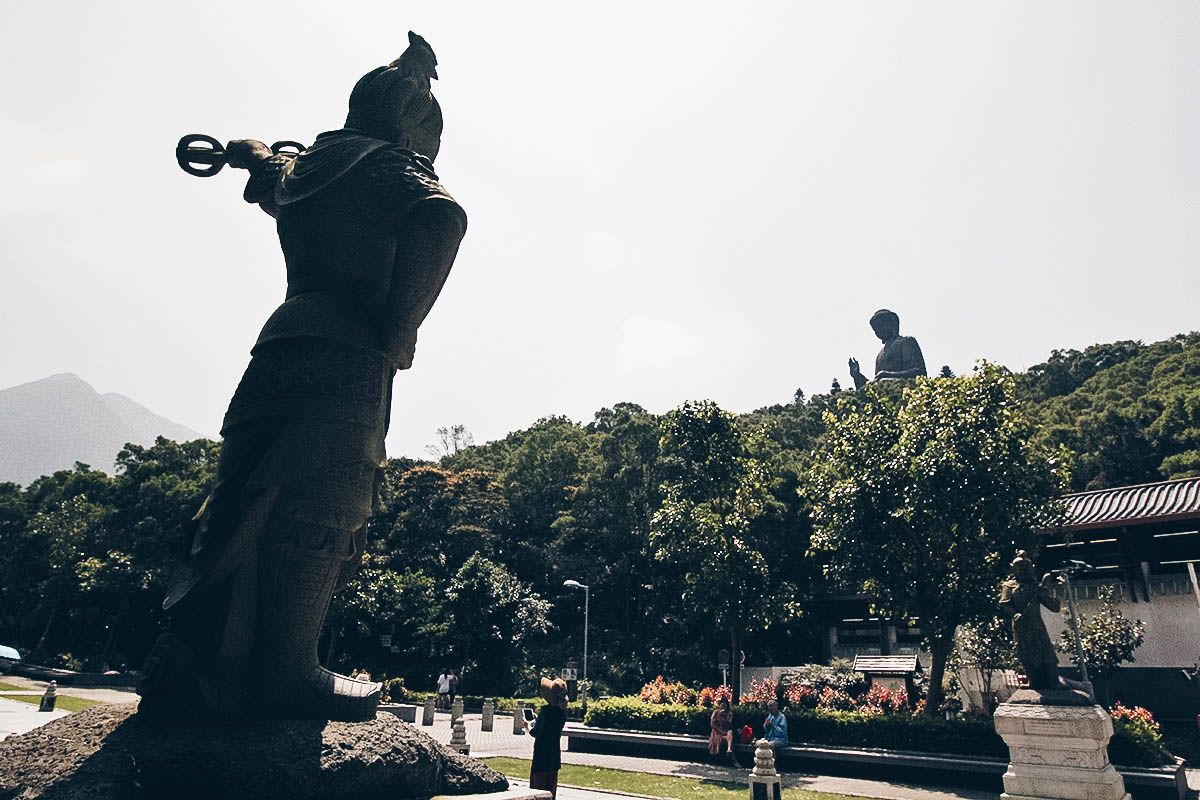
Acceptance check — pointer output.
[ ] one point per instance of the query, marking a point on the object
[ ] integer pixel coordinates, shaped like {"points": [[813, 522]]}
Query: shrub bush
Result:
{"points": [[473, 704], [1135, 742]]}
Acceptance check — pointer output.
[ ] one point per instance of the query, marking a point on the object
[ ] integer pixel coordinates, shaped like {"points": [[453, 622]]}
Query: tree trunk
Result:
{"points": [[37, 653], [940, 650], [335, 633], [735, 665], [101, 662]]}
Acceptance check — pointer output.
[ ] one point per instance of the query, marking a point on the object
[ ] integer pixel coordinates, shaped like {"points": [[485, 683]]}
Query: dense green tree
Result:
{"points": [[922, 499], [986, 646], [433, 520], [712, 493], [493, 619]]}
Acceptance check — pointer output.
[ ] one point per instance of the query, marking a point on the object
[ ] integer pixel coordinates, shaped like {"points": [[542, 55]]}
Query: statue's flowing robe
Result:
{"points": [[369, 236], [1034, 648]]}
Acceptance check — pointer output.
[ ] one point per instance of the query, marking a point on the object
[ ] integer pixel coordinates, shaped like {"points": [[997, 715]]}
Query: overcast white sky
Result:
{"points": [[666, 200]]}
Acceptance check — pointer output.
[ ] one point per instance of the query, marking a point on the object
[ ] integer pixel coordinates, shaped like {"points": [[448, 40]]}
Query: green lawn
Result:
{"points": [[65, 702], [10, 687], [655, 785]]}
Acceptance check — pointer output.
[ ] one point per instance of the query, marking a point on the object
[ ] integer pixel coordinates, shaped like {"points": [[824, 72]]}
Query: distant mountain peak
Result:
{"points": [[49, 424]]}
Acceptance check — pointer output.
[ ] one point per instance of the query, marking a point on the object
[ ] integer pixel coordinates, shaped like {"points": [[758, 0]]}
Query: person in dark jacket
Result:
{"points": [[546, 731]]}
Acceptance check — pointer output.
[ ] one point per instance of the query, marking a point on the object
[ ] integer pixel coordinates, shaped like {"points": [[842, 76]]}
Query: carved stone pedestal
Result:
{"points": [[765, 783], [1058, 752]]}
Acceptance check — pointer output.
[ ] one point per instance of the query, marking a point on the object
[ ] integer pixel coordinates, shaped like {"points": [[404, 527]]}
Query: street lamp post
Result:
{"points": [[577, 585]]}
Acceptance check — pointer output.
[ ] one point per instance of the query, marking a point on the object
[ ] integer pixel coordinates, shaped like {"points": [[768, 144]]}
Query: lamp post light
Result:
{"points": [[577, 585]]}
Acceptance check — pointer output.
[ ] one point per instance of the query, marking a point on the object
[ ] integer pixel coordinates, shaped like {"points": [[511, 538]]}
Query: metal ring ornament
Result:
{"points": [[287, 147], [188, 156]]}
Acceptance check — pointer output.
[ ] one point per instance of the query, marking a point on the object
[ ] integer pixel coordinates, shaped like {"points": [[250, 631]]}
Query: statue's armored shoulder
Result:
{"points": [[392, 181]]}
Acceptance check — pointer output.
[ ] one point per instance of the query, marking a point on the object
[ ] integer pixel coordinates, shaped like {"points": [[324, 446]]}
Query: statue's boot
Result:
{"points": [[296, 586]]}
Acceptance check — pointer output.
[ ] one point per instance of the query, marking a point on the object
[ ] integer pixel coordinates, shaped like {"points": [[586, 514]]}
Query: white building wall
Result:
{"points": [[1172, 620]]}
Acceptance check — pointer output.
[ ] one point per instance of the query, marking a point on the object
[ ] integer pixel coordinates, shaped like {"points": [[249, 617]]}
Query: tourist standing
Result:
{"points": [[546, 731], [443, 690]]}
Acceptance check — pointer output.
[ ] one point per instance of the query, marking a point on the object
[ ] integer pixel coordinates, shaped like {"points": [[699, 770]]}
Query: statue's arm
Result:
{"points": [[1006, 601], [264, 168], [1046, 596], [860, 380]]}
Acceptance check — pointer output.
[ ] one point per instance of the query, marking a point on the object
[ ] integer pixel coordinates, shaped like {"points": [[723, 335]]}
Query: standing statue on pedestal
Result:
{"points": [[1022, 599], [368, 237], [900, 356]]}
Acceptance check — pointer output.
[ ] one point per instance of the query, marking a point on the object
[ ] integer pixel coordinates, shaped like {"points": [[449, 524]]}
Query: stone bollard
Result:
{"points": [[489, 711], [456, 710], [427, 713], [458, 736], [49, 698], [764, 780], [519, 718]]}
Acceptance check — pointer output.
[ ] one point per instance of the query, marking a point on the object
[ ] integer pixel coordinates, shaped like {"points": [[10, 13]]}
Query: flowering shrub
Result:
{"points": [[760, 692], [1136, 715], [683, 695], [1135, 734], [706, 697], [799, 695], [723, 693], [881, 700], [659, 691], [835, 700]]}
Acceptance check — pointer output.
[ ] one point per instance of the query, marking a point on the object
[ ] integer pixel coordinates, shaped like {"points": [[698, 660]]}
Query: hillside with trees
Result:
{"points": [[694, 531]]}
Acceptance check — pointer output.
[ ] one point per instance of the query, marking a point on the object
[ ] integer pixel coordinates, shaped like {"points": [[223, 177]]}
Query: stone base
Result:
{"points": [[1058, 752], [404, 711], [107, 753]]}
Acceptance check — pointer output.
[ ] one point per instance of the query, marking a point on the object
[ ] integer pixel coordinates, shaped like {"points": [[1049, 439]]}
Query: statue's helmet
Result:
{"points": [[1022, 566], [395, 102]]}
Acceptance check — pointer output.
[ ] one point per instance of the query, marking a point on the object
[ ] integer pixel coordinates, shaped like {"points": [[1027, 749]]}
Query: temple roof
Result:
{"points": [[1166, 501]]}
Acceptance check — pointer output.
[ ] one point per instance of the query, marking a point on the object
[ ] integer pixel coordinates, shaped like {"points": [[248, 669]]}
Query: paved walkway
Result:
{"points": [[104, 695], [502, 742], [18, 717]]}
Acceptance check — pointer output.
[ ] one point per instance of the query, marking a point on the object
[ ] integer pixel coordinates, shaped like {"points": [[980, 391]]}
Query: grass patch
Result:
{"points": [[65, 702], [12, 687], [620, 780]]}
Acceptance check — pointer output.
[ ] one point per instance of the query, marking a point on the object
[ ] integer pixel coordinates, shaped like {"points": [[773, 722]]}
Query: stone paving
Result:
{"points": [[502, 742], [18, 717]]}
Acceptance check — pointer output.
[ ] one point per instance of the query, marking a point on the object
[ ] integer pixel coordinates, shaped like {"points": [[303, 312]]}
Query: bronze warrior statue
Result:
{"points": [[368, 237], [900, 356], [1022, 599]]}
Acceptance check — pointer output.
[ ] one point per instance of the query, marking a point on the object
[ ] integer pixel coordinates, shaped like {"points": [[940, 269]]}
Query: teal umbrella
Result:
{"points": [[9, 652]]}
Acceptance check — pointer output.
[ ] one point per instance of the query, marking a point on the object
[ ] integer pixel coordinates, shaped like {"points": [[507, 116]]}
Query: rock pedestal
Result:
{"points": [[1058, 752], [106, 753], [764, 780], [487, 719], [428, 712]]}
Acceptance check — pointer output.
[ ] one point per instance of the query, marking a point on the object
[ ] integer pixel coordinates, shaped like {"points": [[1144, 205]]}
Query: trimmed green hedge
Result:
{"points": [[473, 704], [965, 736]]}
